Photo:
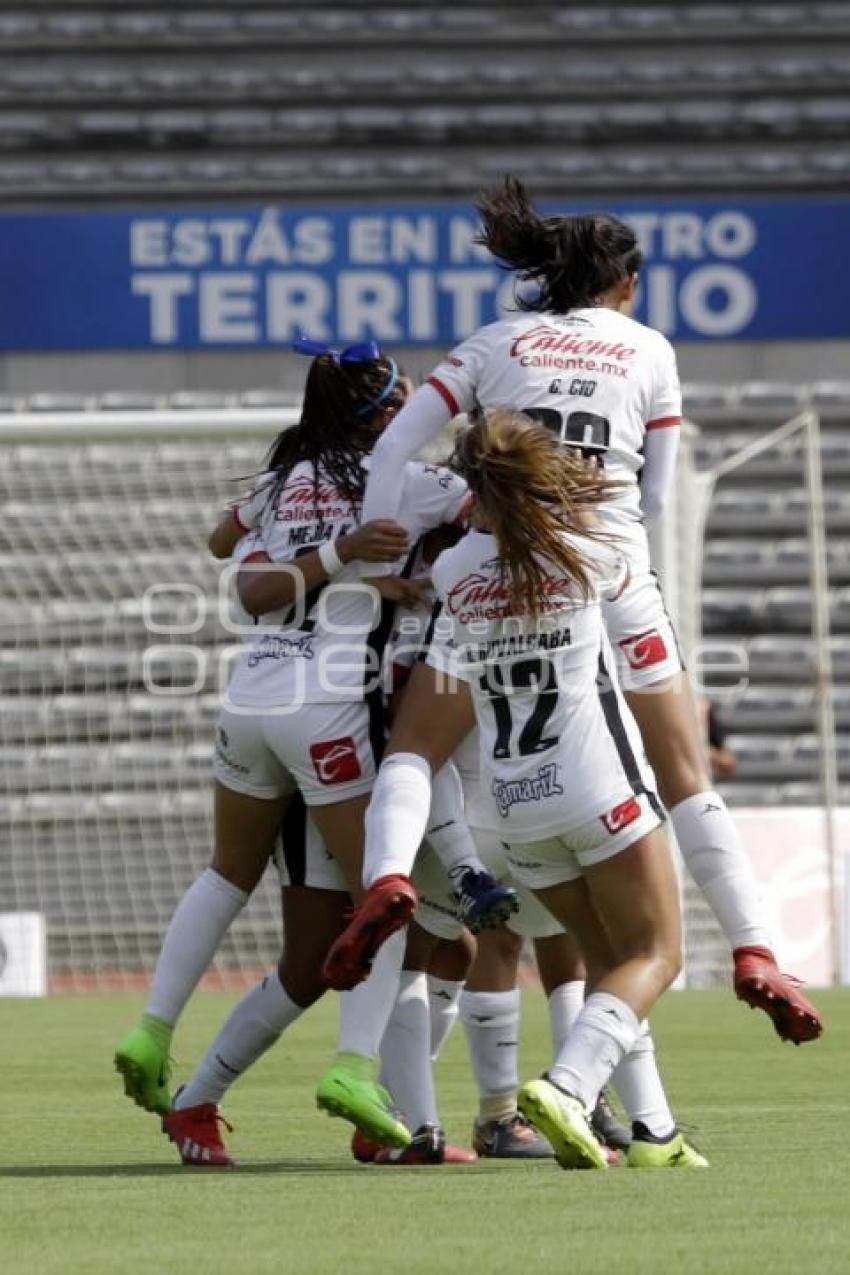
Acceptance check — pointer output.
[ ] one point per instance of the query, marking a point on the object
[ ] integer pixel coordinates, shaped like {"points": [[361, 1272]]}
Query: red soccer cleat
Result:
{"points": [[760, 984], [364, 1149], [387, 906], [428, 1147], [195, 1133]]}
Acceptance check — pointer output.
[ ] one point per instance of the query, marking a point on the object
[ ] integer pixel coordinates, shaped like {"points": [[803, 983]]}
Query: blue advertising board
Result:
{"points": [[253, 277]]}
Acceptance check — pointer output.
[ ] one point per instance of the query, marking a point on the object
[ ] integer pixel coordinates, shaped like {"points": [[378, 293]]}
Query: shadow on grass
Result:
{"points": [[324, 1168]]}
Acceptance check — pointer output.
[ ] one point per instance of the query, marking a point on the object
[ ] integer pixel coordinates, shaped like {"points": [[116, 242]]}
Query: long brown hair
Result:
{"points": [[572, 259], [530, 490]]}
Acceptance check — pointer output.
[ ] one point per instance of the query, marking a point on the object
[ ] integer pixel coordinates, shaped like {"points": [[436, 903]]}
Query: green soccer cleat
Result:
{"points": [[142, 1059], [348, 1090], [564, 1123], [648, 1152]]}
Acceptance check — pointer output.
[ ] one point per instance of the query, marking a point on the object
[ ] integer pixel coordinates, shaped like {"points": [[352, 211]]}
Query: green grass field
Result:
{"points": [[90, 1185]]}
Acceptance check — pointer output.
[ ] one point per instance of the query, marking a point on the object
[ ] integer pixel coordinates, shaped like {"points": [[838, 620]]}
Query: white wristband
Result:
{"points": [[331, 562]]}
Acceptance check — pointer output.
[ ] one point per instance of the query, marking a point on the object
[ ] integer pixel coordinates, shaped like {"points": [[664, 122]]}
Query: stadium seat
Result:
{"points": [[110, 126], [199, 400], [780, 658], [771, 708], [76, 27], [705, 118], [716, 18], [241, 127], [827, 115], [705, 165], [771, 397], [766, 756], [140, 27], [751, 794], [168, 127], [732, 610], [127, 401], [570, 120], [177, 81], [269, 398], [831, 397], [778, 116], [577, 21], [19, 26], [208, 24], [269, 24], [58, 402]]}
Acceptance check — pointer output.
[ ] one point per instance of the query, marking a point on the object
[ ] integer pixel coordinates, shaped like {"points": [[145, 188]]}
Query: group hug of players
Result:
{"points": [[462, 707]]}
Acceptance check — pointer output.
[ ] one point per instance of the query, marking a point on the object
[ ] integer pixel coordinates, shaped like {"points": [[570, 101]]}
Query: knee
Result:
{"points": [[302, 986]]}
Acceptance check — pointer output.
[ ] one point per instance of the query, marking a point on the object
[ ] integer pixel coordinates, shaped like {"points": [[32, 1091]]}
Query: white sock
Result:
{"points": [[252, 1028], [601, 1036], [565, 1005], [447, 831], [638, 1083], [397, 816], [491, 1020], [365, 1011], [443, 1000], [718, 862], [204, 915], [406, 1052]]}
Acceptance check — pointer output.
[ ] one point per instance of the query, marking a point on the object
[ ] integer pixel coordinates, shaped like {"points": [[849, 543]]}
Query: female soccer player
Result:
{"points": [[607, 388], [522, 649], [305, 699]]}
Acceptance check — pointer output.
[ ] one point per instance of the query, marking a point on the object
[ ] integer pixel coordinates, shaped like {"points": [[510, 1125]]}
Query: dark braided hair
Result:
{"points": [[573, 260], [337, 425]]}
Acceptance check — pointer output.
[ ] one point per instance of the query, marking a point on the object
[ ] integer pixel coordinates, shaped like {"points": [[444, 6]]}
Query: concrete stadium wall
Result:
{"points": [[725, 362]]}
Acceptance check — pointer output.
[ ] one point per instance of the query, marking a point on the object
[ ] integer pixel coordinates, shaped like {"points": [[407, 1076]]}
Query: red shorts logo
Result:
{"points": [[644, 650], [621, 816], [335, 761]]}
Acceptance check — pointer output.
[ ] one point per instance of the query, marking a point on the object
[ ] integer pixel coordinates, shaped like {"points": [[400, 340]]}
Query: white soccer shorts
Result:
{"points": [[540, 864], [641, 632], [327, 750]]}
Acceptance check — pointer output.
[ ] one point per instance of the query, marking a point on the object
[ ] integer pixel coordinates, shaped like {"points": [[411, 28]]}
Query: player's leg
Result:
{"points": [[311, 920], [406, 1064], [245, 829], [659, 694], [630, 899], [563, 974], [490, 1012], [448, 969]]}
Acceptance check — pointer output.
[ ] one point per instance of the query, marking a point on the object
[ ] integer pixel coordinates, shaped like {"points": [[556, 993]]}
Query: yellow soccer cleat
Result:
{"points": [[647, 1152], [564, 1122]]}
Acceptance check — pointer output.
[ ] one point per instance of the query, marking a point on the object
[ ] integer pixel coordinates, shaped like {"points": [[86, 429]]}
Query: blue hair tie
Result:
{"points": [[363, 352]]}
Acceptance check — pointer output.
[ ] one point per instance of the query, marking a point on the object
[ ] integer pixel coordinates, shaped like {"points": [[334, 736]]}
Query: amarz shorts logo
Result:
{"points": [[621, 816], [644, 650], [335, 761]]}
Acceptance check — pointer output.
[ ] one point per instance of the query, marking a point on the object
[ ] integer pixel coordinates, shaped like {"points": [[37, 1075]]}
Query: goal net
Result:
{"points": [[107, 702]]}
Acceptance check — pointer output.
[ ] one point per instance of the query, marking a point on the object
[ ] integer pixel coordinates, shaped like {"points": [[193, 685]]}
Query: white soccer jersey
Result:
{"points": [[596, 377], [328, 646], [557, 746]]}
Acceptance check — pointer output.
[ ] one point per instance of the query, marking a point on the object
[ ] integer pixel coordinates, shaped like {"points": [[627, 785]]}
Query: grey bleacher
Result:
{"points": [[168, 99], [756, 585]]}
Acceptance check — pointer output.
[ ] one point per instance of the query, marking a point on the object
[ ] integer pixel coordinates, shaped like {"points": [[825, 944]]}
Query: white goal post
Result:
{"points": [[678, 546]]}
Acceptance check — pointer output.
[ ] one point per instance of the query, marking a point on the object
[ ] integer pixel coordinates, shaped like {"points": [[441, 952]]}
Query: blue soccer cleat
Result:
{"points": [[483, 902]]}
